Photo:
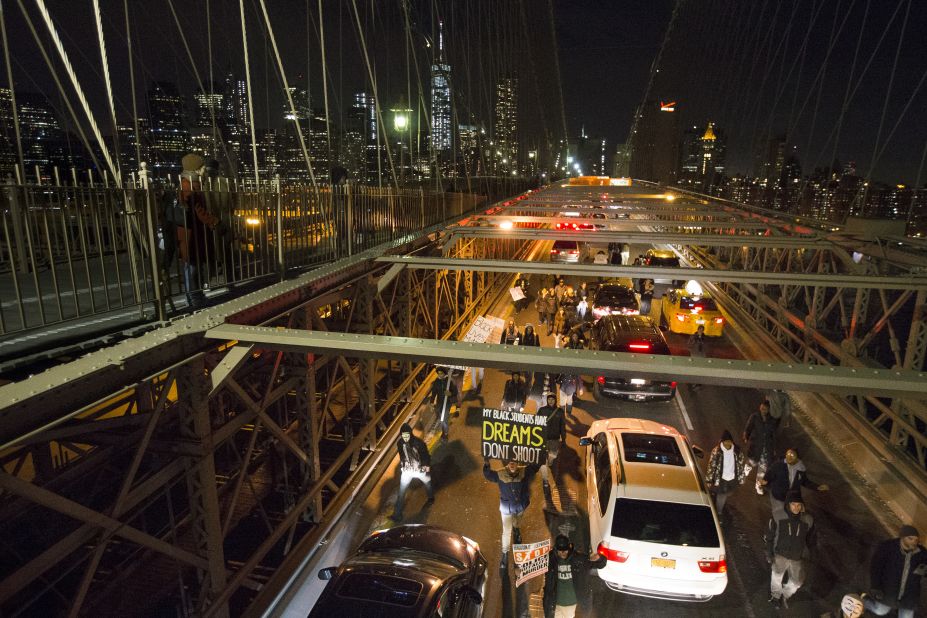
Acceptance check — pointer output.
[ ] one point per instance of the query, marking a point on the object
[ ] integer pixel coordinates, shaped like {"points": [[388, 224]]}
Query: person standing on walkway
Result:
{"points": [[511, 335], [550, 310], [540, 305], [514, 496], [697, 342], [725, 470], [560, 580], [760, 436], [554, 435], [788, 543], [443, 398], [414, 463], [560, 321], [780, 406], [785, 475], [851, 606], [893, 578]]}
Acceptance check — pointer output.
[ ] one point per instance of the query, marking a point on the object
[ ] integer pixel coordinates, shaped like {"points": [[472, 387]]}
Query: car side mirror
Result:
{"points": [[698, 452], [585, 441], [472, 594], [327, 573]]}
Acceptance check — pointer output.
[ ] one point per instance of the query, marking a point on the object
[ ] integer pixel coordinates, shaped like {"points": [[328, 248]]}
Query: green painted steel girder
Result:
{"points": [[829, 280], [744, 373]]}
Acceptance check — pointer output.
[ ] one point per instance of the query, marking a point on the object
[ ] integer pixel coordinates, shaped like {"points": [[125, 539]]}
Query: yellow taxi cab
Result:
{"points": [[684, 310]]}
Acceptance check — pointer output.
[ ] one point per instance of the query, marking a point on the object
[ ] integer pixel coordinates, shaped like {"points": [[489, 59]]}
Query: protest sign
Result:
{"points": [[517, 293], [480, 331], [514, 435], [531, 559]]}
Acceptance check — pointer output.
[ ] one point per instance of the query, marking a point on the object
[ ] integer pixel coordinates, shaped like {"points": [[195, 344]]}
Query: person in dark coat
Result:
{"points": [[785, 475], [898, 567], [511, 335], [514, 496], [514, 393], [414, 463], [789, 541], [560, 580], [530, 337], [760, 438], [554, 434]]}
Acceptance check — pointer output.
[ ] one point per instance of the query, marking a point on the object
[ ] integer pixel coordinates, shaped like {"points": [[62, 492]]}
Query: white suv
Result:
{"points": [[650, 512]]}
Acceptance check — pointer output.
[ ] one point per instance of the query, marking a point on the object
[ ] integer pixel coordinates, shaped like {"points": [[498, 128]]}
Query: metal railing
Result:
{"points": [[73, 252]]}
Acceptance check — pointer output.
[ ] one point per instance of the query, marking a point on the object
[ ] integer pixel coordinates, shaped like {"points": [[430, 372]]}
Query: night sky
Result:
{"points": [[754, 68]]}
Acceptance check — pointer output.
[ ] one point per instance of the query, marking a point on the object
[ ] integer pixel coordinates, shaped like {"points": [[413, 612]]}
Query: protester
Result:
{"points": [[851, 606], [524, 284], [896, 565], [625, 253], [788, 543], [193, 223], [697, 342], [511, 335], [569, 386], [785, 475], [514, 496], [560, 321], [414, 463], [514, 393], [780, 406], [646, 291], [725, 470], [540, 305], [759, 436], [550, 310], [554, 434], [560, 580], [530, 337], [443, 397]]}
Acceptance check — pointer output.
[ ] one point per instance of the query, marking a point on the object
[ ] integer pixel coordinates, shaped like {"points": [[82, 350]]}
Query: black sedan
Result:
{"points": [[408, 571], [615, 298]]}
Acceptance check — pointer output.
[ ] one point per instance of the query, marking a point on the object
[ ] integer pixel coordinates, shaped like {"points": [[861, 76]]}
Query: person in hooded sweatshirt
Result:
{"points": [[531, 338], [560, 587], [789, 540], [725, 470], [785, 475], [514, 496], [898, 566], [414, 463]]}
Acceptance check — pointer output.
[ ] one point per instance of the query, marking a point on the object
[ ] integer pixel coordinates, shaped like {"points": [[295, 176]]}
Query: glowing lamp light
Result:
{"points": [[694, 288], [670, 197], [506, 225], [253, 221], [401, 121]]}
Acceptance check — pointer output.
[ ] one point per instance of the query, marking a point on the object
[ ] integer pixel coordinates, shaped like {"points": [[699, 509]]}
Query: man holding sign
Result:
{"points": [[560, 580], [514, 495]]}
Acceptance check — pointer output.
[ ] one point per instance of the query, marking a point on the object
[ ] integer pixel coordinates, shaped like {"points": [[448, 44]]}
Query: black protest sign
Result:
{"points": [[514, 435]]}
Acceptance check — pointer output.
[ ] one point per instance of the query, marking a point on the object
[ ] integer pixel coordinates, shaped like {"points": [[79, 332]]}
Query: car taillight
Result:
{"points": [[612, 554], [696, 308], [553, 251], [719, 320], [598, 313], [574, 252], [681, 317], [672, 385], [712, 566], [639, 346], [631, 311], [600, 379]]}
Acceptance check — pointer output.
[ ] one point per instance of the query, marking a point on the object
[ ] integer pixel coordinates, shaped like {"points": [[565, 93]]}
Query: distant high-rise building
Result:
{"points": [[169, 138], [127, 146], [506, 126], [470, 138], [301, 105], [655, 143], [702, 157], [8, 155], [714, 149], [621, 167], [441, 127], [772, 161]]}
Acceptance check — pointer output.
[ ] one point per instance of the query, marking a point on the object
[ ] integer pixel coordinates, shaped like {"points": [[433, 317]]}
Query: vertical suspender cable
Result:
{"points": [[67, 100], [76, 84], [376, 96], [244, 42], [21, 171], [289, 94], [328, 135], [109, 88], [138, 137]]}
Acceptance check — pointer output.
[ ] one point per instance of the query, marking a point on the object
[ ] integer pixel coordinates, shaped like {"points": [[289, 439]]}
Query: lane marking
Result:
{"points": [[685, 413]]}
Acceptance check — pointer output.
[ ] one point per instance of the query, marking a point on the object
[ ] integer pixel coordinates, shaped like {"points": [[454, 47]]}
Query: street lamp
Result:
{"points": [[401, 124]]}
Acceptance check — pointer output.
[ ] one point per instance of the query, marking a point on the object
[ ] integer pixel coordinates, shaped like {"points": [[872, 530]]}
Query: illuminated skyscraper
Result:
{"points": [[506, 126], [441, 133], [169, 138], [655, 143]]}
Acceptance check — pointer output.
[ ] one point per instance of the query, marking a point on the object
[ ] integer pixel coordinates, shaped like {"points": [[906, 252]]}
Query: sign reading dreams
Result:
{"points": [[514, 435]]}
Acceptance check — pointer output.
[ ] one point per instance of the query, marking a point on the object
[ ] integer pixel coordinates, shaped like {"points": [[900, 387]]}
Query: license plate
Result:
{"points": [[638, 381], [663, 563]]}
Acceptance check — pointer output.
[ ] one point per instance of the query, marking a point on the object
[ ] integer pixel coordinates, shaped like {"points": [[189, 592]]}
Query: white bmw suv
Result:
{"points": [[650, 513]]}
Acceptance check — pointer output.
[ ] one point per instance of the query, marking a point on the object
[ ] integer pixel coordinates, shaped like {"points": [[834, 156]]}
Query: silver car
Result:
{"points": [[565, 252]]}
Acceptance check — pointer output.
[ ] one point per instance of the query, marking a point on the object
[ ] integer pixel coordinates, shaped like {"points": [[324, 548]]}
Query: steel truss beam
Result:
{"points": [[702, 274], [632, 224], [709, 371]]}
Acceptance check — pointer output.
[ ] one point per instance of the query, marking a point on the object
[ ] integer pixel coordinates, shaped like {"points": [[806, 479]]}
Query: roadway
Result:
{"points": [[466, 503]]}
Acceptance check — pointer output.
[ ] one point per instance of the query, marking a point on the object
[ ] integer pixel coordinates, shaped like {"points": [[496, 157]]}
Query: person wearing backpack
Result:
{"points": [[788, 544]]}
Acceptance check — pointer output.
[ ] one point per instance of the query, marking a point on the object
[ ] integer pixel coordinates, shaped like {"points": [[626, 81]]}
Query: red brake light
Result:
{"points": [[600, 379], [574, 252], [639, 346], [719, 320], [711, 566], [673, 384], [612, 554], [681, 317], [552, 251]]}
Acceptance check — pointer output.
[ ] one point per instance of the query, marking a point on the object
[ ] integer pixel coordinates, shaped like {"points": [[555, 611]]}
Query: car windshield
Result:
{"points": [[701, 304], [381, 589], [566, 245], [667, 523], [648, 448], [614, 295], [663, 261]]}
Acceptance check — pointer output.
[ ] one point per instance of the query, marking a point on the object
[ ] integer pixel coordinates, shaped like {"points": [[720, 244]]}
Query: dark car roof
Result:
{"points": [[616, 331], [613, 291], [428, 539]]}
